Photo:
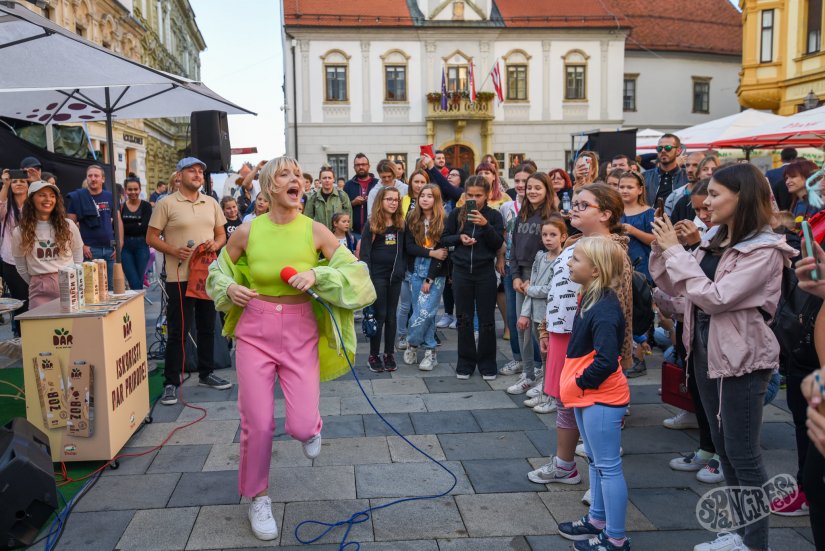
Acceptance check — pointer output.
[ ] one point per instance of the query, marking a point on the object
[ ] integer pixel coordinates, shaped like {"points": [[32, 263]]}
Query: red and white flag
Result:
{"points": [[495, 73], [472, 76]]}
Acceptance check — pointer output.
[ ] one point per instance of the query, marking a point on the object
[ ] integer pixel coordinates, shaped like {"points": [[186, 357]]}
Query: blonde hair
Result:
{"points": [[267, 175], [608, 260]]}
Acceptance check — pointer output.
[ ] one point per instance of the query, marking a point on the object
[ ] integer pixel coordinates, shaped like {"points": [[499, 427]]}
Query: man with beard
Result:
{"points": [[357, 189], [667, 176], [692, 173]]}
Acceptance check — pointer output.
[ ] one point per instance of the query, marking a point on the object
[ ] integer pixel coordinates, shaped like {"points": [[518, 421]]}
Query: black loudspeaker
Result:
{"points": [[210, 139], [28, 492], [610, 144]]}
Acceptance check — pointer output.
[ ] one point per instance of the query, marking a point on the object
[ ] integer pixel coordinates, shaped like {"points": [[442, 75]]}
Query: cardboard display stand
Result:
{"points": [[100, 353]]}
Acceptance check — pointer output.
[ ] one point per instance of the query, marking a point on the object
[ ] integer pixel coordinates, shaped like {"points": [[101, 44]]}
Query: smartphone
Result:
{"points": [[21, 174], [427, 150], [807, 234], [471, 205], [660, 208]]}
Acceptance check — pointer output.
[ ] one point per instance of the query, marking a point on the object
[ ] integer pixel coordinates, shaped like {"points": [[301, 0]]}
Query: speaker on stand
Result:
{"points": [[210, 142], [28, 491]]}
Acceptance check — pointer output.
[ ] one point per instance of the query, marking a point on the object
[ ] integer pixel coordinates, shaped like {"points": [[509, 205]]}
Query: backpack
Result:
{"points": [[643, 315], [793, 324]]}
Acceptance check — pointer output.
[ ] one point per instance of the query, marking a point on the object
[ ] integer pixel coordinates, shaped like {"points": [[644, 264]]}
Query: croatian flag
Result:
{"points": [[496, 74], [472, 76], [443, 89]]}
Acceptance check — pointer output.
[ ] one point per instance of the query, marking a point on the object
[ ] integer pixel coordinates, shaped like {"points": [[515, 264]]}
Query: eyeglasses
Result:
{"points": [[390, 199], [668, 148], [581, 206]]}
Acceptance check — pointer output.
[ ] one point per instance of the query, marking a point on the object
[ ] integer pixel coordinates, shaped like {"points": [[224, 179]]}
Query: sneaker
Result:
{"points": [[692, 462], [374, 361], [511, 368], [795, 505], [538, 388], [411, 355], [454, 324], [549, 473], [489, 377], [312, 447], [587, 498], [401, 344], [170, 395], [712, 472], [429, 362], [532, 401], [578, 530], [682, 420], [725, 542], [260, 518], [547, 406], [638, 369], [444, 321], [522, 385], [389, 363], [213, 381], [601, 542], [462, 376]]}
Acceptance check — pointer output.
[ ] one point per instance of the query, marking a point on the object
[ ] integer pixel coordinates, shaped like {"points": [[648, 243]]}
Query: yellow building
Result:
{"points": [[782, 54]]}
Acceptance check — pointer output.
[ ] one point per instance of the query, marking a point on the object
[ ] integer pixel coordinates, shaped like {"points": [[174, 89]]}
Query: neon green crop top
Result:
{"points": [[271, 247]]}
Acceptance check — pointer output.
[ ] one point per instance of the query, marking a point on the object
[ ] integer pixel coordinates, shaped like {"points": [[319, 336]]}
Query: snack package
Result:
{"points": [[79, 395], [67, 283], [51, 390], [90, 280], [102, 280], [81, 286]]}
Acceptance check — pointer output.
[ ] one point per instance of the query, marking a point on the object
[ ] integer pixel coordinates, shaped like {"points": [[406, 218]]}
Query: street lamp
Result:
{"points": [[811, 101]]}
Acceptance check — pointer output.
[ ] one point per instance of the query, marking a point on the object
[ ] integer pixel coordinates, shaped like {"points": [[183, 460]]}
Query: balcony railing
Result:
{"points": [[459, 107]]}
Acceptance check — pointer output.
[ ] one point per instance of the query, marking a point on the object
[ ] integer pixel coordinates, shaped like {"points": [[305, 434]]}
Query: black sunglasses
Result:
{"points": [[668, 148]]}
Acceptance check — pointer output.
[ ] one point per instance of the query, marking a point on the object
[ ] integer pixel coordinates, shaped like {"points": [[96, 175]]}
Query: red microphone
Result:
{"points": [[286, 274]]}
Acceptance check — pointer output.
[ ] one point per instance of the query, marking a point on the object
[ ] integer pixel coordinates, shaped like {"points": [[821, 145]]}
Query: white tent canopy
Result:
{"points": [[801, 129], [702, 136]]}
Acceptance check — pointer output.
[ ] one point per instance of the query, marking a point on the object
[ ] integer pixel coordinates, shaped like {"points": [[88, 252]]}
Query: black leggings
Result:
{"points": [[476, 293], [18, 289], [814, 486], [449, 301], [387, 292], [705, 440]]}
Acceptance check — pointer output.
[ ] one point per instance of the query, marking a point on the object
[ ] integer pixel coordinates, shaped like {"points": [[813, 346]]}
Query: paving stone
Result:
{"points": [[645, 394], [659, 507], [195, 394], [655, 440], [329, 405], [119, 493], [180, 459], [353, 451], [374, 426], [543, 440], [566, 506], [773, 414], [215, 411], [209, 488], [409, 479], [806, 533], [526, 515], [398, 386], [438, 422], [459, 401], [444, 368], [312, 483], [653, 471], [780, 462], [343, 389], [786, 538], [226, 457], [431, 518], [402, 452], [497, 420], [487, 445], [345, 426], [227, 526], [401, 403], [502, 382], [648, 415], [166, 414], [325, 511], [451, 384], [205, 432], [97, 530], [671, 539], [132, 465], [412, 545], [487, 544], [778, 436], [158, 529], [556, 543], [499, 475]]}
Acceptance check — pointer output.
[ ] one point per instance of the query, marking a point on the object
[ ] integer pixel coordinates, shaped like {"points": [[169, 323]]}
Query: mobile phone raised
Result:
{"points": [[807, 234], [471, 205], [21, 174], [660, 208]]}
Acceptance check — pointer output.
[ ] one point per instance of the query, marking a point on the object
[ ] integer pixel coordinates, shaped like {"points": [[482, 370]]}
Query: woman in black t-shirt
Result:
{"points": [[135, 254]]}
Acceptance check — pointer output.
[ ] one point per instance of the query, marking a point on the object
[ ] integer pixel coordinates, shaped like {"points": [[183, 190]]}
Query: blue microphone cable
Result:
{"points": [[364, 515]]}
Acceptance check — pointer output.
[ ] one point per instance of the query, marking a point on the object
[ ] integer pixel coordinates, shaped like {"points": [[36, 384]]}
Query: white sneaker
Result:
{"points": [[401, 344], [711, 473], [692, 462], [489, 377], [411, 355], [511, 368], [312, 447], [429, 362], [260, 518], [586, 498], [682, 420], [454, 324], [550, 473], [444, 321], [537, 390], [580, 451], [725, 542], [462, 376], [547, 406], [533, 401], [522, 385]]}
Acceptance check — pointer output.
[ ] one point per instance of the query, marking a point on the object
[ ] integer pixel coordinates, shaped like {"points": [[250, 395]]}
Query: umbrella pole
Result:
{"points": [[118, 278]]}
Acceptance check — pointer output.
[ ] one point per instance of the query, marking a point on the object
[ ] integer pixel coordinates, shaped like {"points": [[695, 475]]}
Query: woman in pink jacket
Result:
{"points": [[731, 285]]}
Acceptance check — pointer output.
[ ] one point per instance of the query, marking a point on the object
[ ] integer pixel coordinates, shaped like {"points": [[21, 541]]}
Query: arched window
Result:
{"points": [[517, 65], [336, 73], [575, 75], [458, 66], [395, 75]]}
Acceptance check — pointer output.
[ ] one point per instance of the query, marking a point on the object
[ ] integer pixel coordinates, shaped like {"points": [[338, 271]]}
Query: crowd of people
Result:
{"points": [[588, 269]]}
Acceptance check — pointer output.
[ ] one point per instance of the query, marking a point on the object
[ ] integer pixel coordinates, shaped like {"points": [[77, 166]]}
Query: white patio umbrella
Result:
{"points": [[802, 129], [705, 135]]}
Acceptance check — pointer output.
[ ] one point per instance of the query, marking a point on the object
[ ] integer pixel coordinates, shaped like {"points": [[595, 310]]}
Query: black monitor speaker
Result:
{"points": [[210, 139], [610, 144], [28, 492]]}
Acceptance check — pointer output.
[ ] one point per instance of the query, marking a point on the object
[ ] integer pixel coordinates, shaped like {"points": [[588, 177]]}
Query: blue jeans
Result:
{"points": [[422, 323], [404, 306], [105, 253], [601, 431], [135, 257]]}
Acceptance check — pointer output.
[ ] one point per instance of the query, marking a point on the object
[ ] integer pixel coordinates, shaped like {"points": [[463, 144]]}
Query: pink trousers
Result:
{"points": [[43, 288], [274, 341]]}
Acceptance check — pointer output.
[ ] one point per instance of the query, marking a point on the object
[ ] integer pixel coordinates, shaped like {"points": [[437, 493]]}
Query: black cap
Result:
{"points": [[30, 162]]}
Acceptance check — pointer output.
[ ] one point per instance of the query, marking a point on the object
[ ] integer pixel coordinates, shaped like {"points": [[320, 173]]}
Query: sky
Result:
{"points": [[244, 64]]}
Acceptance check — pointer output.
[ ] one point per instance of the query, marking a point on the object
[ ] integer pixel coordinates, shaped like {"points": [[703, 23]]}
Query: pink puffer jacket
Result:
{"points": [[748, 279]]}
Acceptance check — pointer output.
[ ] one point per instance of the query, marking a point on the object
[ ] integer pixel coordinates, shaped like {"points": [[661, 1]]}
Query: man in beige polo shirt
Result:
{"points": [[186, 219]]}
